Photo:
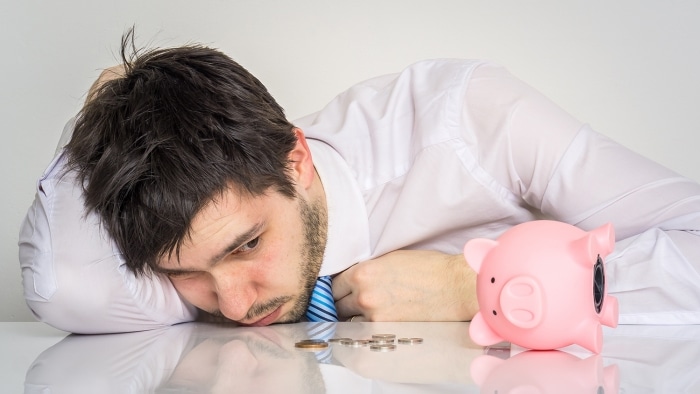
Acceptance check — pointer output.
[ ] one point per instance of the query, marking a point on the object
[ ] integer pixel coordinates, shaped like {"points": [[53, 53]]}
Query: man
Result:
{"points": [[183, 166]]}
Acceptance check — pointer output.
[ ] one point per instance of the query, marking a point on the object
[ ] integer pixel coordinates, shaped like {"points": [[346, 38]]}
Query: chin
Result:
{"points": [[295, 315]]}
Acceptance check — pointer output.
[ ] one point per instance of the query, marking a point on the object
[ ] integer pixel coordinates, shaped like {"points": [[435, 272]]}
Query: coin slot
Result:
{"points": [[598, 285]]}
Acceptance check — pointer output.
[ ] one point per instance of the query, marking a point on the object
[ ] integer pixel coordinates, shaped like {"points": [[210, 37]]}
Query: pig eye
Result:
{"points": [[494, 313], [493, 280]]}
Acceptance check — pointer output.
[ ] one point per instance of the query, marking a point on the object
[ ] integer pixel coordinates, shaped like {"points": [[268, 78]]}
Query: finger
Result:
{"points": [[356, 319], [347, 307], [341, 284]]}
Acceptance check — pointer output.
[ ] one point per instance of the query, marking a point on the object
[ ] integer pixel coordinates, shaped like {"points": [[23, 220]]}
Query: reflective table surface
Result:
{"points": [[207, 358]]}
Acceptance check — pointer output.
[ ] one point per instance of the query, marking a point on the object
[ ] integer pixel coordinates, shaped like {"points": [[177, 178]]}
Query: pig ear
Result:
{"points": [[482, 366], [604, 239], [589, 369], [481, 333], [611, 379], [600, 241], [592, 338], [476, 249]]}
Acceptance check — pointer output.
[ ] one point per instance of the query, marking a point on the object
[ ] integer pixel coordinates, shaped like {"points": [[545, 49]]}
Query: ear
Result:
{"points": [[482, 366], [481, 333], [600, 241], [476, 250], [589, 369], [605, 238], [300, 160]]}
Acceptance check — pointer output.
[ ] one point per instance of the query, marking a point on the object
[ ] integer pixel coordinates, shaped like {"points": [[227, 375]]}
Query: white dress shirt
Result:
{"points": [[445, 151]]}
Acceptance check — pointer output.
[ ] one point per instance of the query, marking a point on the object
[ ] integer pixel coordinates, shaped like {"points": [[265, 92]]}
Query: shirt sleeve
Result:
{"points": [[568, 172], [73, 275]]}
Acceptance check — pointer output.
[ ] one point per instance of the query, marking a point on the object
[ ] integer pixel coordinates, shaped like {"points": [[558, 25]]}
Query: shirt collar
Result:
{"points": [[348, 227]]}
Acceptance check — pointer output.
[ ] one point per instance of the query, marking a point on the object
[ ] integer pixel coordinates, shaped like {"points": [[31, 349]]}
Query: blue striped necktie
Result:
{"points": [[325, 331], [321, 306]]}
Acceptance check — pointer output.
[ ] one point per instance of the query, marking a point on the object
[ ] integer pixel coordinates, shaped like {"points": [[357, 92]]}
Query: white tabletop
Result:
{"points": [[199, 357]]}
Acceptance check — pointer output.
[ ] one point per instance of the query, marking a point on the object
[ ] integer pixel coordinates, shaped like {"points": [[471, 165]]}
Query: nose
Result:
{"points": [[234, 295], [521, 300]]}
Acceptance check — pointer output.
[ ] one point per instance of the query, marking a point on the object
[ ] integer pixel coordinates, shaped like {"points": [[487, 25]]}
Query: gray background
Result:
{"points": [[629, 68]]}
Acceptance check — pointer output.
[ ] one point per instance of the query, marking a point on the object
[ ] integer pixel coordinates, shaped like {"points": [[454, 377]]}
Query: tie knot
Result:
{"points": [[321, 305]]}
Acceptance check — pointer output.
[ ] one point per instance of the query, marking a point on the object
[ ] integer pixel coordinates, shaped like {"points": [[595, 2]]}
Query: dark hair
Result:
{"points": [[182, 125]]}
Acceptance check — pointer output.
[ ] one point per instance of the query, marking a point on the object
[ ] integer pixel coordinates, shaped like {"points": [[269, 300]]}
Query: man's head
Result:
{"points": [[185, 140]]}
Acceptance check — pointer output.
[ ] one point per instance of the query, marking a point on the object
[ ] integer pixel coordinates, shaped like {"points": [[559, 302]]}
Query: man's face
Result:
{"points": [[247, 360], [253, 260]]}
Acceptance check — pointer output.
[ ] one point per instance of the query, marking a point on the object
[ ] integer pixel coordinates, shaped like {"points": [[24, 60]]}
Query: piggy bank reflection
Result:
{"points": [[541, 285], [549, 371]]}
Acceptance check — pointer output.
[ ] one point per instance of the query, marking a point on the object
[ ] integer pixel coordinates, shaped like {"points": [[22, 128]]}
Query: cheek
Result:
{"points": [[274, 269], [277, 263], [197, 291]]}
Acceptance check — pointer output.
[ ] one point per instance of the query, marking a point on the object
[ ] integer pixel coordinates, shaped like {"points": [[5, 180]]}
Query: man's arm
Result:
{"points": [[565, 171], [572, 174], [407, 285], [74, 277]]}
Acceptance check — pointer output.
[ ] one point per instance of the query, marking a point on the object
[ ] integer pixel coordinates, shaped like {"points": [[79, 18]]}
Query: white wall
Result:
{"points": [[629, 68]]}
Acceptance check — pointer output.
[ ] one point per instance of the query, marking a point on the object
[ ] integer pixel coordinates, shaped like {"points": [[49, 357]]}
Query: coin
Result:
{"points": [[410, 341], [355, 342], [312, 344], [384, 336], [339, 340], [380, 341], [383, 348], [312, 341]]}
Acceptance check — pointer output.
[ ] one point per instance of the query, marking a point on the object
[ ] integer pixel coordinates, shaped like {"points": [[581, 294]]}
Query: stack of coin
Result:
{"points": [[382, 343], [386, 347], [410, 341], [339, 340], [378, 343], [313, 345], [381, 339], [355, 342]]}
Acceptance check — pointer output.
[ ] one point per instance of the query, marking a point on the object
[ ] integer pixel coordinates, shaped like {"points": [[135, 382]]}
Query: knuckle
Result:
{"points": [[366, 301], [364, 272]]}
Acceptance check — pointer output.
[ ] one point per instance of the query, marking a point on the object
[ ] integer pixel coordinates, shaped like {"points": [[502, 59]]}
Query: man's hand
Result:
{"points": [[407, 285]]}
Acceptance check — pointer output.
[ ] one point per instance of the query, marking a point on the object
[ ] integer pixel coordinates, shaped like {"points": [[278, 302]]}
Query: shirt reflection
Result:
{"points": [[253, 361], [202, 358], [197, 358]]}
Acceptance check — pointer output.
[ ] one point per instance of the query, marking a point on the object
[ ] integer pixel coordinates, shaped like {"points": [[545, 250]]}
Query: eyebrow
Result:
{"points": [[235, 244]]}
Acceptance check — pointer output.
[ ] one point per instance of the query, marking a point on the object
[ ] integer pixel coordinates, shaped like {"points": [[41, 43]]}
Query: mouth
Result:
{"points": [[266, 320]]}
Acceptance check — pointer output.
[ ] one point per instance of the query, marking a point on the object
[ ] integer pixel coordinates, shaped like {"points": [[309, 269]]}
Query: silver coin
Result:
{"points": [[381, 341], [339, 340], [382, 348], [384, 336], [355, 343], [410, 341]]}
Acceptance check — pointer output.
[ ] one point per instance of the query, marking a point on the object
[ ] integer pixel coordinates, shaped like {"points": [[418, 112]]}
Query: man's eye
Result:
{"points": [[250, 245], [180, 274]]}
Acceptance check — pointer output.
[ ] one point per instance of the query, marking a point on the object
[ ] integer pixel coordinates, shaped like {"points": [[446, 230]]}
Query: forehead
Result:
{"points": [[229, 214], [229, 205]]}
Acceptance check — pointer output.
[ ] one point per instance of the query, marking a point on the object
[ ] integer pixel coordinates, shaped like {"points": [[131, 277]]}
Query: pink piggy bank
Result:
{"points": [[541, 285], [545, 372]]}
